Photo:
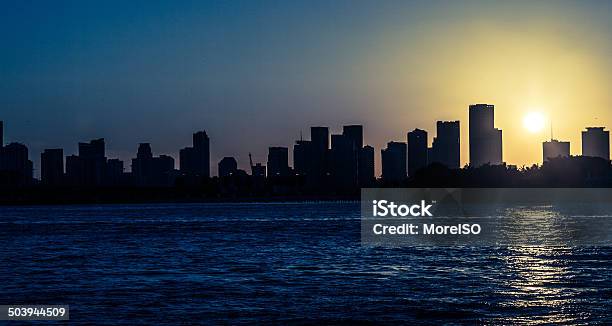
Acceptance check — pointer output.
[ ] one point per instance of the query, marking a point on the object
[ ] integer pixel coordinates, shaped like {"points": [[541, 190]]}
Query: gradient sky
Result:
{"points": [[255, 73]]}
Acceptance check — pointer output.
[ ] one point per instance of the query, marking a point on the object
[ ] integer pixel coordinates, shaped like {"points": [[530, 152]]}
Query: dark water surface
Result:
{"points": [[284, 263]]}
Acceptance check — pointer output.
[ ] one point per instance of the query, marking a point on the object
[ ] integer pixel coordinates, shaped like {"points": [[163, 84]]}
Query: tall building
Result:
{"points": [[201, 144], [142, 165], [555, 148], [52, 166], [355, 134], [15, 165], [196, 160], [187, 161], [343, 161], [417, 151], [366, 166], [144, 151], [148, 170], [93, 149], [394, 162], [1, 133], [445, 147], [485, 139], [319, 138], [88, 168], [278, 162], [596, 142], [227, 166], [302, 156]]}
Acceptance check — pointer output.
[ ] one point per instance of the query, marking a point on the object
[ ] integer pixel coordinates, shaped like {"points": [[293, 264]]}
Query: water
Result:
{"points": [[287, 263]]}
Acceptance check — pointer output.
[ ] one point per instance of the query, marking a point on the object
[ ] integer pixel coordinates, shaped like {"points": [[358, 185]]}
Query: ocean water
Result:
{"points": [[281, 263]]}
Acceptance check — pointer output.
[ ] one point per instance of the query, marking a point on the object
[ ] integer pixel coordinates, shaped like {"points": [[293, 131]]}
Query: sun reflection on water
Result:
{"points": [[538, 275]]}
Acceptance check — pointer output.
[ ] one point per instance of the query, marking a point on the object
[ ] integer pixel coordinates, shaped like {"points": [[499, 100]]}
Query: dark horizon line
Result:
{"points": [[297, 140]]}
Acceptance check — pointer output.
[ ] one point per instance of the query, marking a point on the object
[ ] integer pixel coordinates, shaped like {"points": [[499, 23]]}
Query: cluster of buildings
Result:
{"points": [[91, 166], [595, 143], [402, 159], [341, 160]]}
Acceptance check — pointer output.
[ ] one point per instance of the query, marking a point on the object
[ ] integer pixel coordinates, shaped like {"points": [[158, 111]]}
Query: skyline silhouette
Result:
{"points": [[339, 158], [306, 162]]}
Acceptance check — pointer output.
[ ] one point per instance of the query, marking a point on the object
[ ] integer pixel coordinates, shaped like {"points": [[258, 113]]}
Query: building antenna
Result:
{"points": [[551, 129]]}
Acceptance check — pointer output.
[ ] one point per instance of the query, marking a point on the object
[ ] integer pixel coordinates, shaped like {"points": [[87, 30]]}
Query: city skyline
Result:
{"points": [[270, 69], [306, 162], [345, 156]]}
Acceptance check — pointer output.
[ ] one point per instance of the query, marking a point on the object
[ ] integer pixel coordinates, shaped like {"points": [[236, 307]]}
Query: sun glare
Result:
{"points": [[534, 122]]}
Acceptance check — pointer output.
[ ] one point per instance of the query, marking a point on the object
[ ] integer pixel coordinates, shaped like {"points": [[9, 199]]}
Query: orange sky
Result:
{"points": [[543, 62]]}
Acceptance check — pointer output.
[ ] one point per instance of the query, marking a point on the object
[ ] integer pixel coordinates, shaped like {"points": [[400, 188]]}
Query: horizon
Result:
{"points": [[213, 164], [157, 72]]}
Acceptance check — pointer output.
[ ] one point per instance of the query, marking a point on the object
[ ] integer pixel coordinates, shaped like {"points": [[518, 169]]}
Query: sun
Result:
{"points": [[534, 122]]}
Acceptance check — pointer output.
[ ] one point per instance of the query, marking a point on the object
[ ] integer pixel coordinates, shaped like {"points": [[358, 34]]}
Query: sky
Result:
{"points": [[255, 74]]}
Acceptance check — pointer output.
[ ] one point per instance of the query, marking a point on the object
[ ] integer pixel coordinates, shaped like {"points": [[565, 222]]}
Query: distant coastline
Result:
{"points": [[562, 172]]}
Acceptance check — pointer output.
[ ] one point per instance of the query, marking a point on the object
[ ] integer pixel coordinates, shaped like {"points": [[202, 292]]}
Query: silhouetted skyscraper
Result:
{"points": [[302, 157], [52, 166], [15, 165], [278, 162], [201, 143], [445, 148], [187, 160], [196, 160], [485, 139], [88, 168], [366, 166], [227, 167], [93, 149], [555, 148], [596, 142], [394, 162], [417, 150], [142, 165], [355, 134], [343, 161], [148, 170], [144, 151], [319, 138]]}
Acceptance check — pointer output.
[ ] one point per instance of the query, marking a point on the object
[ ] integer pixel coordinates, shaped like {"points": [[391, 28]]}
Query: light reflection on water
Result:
{"points": [[537, 282], [541, 274], [293, 263]]}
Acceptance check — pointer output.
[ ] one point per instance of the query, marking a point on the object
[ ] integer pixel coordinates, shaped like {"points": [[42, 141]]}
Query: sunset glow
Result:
{"points": [[534, 122]]}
